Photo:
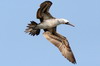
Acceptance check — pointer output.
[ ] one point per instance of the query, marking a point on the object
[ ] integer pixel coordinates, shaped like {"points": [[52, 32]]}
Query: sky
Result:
{"points": [[20, 49]]}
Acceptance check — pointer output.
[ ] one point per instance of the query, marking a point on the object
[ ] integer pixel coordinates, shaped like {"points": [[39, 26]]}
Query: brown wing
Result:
{"points": [[43, 11], [62, 44]]}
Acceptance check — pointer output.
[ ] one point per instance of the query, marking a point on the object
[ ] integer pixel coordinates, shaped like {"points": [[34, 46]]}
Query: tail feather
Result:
{"points": [[30, 29]]}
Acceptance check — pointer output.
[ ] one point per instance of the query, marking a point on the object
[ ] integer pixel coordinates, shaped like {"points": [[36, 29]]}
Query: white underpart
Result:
{"points": [[51, 23]]}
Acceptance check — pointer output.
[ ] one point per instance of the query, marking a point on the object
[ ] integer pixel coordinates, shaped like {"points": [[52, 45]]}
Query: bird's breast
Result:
{"points": [[48, 24]]}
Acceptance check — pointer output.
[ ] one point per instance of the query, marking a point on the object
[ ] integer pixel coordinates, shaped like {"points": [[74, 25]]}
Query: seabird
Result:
{"points": [[49, 23]]}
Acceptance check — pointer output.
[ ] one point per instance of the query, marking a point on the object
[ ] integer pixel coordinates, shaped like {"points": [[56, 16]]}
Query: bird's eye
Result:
{"points": [[67, 23]]}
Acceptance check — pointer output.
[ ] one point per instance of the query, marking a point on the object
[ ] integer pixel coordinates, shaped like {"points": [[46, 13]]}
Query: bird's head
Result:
{"points": [[64, 21]]}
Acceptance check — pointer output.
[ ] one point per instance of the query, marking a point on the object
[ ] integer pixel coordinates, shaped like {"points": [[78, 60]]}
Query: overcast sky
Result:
{"points": [[20, 49]]}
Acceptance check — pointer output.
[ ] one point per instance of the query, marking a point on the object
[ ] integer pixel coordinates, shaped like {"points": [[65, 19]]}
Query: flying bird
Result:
{"points": [[49, 24]]}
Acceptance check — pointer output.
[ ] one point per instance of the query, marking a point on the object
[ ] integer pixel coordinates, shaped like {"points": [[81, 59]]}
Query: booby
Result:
{"points": [[49, 23]]}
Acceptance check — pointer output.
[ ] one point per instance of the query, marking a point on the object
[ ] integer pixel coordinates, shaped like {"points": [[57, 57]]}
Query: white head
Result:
{"points": [[64, 21]]}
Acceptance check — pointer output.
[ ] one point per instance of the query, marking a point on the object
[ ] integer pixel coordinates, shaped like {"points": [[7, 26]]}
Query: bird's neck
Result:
{"points": [[60, 21]]}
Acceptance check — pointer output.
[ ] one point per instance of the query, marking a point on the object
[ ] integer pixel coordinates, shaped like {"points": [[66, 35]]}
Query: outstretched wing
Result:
{"points": [[42, 14], [43, 11], [62, 44]]}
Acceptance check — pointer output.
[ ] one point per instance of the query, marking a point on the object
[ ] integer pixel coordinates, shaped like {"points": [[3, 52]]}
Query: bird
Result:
{"points": [[49, 24]]}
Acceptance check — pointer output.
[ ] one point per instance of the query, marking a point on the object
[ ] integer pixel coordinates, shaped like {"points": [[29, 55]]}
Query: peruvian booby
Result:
{"points": [[49, 24]]}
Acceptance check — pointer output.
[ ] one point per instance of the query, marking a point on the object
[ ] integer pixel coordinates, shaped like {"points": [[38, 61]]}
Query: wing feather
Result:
{"points": [[62, 44], [43, 11]]}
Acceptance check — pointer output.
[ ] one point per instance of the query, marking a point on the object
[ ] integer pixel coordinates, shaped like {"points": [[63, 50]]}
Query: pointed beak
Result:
{"points": [[69, 24]]}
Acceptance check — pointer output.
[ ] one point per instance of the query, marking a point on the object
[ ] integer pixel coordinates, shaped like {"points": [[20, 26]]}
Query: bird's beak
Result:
{"points": [[69, 24]]}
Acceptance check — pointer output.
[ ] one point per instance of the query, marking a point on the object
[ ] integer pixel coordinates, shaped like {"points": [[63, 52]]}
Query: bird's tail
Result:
{"points": [[30, 29]]}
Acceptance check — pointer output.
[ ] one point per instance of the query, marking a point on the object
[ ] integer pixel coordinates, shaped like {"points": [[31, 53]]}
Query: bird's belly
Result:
{"points": [[46, 25]]}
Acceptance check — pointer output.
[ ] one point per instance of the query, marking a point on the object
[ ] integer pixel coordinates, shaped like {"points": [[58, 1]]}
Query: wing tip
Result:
{"points": [[74, 62]]}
